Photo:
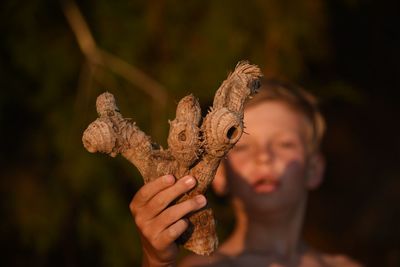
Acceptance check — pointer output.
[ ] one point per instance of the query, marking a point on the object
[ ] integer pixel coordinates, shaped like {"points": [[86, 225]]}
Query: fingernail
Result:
{"points": [[169, 179], [200, 199], [189, 181]]}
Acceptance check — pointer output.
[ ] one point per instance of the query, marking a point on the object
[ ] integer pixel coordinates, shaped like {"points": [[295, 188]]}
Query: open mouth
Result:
{"points": [[265, 186]]}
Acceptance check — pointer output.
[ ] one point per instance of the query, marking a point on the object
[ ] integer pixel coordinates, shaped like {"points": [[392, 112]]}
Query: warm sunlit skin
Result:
{"points": [[159, 225], [269, 172], [268, 165]]}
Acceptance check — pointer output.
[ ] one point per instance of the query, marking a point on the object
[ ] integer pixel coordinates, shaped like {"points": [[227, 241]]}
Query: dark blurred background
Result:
{"points": [[62, 206]]}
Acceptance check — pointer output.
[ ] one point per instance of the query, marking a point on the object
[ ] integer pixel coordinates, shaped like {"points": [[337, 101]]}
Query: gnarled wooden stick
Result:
{"points": [[192, 148]]}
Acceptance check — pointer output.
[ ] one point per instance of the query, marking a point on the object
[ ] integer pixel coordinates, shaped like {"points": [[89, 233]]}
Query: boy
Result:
{"points": [[267, 175]]}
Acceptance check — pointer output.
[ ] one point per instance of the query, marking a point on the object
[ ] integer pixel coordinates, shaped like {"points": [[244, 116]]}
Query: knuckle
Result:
{"points": [[143, 194], [196, 203], [139, 221], [186, 207], [148, 233], [193, 204], [157, 245], [177, 229], [185, 223], [173, 233], [170, 215], [160, 201], [132, 207]]}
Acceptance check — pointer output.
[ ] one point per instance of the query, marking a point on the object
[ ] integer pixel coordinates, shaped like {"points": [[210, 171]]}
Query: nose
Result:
{"points": [[264, 155]]}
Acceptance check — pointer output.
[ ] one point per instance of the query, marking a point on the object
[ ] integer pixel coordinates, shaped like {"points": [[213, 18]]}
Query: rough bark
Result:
{"points": [[194, 147]]}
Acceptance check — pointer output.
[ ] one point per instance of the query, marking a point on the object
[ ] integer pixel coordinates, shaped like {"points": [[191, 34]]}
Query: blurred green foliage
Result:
{"points": [[62, 206]]}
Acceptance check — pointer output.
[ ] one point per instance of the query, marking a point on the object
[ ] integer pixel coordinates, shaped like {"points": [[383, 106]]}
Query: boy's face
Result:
{"points": [[268, 166]]}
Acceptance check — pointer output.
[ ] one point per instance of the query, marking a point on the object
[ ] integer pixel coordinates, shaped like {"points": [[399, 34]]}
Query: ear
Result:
{"points": [[219, 183], [316, 170]]}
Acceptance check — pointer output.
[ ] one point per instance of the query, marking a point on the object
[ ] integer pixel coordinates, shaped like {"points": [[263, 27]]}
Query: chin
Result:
{"points": [[264, 202]]}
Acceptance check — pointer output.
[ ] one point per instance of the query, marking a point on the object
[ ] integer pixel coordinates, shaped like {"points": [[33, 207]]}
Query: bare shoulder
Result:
{"points": [[340, 260], [308, 260], [315, 258]]}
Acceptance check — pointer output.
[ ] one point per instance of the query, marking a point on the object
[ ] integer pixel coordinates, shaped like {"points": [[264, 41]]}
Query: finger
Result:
{"points": [[169, 235], [165, 197], [149, 190], [176, 212]]}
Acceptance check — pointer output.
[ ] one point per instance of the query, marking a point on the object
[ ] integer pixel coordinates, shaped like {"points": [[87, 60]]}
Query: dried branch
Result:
{"points": [[195, 146]]}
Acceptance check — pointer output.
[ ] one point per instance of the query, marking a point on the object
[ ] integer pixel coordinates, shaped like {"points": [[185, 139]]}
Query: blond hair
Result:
{"points": [[296, 98]]}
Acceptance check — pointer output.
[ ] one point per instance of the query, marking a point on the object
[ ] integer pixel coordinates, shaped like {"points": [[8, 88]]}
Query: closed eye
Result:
{"points": [[240, 147], [287, 144]]}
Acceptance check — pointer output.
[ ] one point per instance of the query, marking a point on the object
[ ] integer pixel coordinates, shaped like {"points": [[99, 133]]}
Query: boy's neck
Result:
{"points": [[278, 234]]}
